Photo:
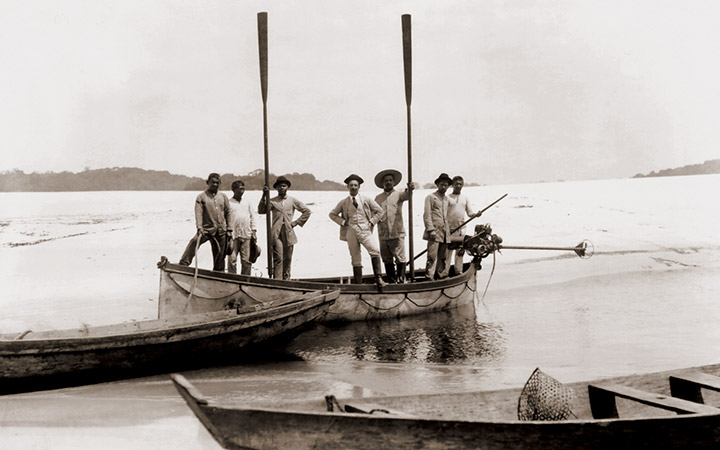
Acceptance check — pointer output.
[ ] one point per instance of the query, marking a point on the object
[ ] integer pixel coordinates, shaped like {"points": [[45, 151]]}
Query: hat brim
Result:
{"points": [[275, 185], [448, 179], [356, 178], [397, 176]]}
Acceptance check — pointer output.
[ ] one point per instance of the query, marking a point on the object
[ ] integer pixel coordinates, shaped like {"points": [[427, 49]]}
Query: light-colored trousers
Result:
{"points": [[282, 256], [356, 238], [240, 246], [392, 250]]}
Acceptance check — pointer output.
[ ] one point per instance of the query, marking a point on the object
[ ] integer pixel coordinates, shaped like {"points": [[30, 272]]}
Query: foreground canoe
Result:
{"points": [[213, 291], [656, 411], [50, 359]]}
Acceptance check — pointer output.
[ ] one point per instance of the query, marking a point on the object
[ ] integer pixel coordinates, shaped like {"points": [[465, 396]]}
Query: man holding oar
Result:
{"points": [[283, 237], [437, 228], [458, 207], [211, 217], [357, 216], [391, 230]]}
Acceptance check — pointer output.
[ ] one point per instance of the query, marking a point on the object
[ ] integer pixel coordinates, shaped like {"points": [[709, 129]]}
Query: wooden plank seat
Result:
{"points": [[689, 386], [602, 401]]}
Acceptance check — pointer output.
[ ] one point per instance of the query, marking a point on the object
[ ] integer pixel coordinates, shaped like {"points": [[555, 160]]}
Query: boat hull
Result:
{"points": [[482, 420], [46, 360], [213, 291]]}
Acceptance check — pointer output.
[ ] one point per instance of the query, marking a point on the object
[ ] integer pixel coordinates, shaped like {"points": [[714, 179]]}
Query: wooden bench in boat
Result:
{"points": [[688, 386], [602, 401]]}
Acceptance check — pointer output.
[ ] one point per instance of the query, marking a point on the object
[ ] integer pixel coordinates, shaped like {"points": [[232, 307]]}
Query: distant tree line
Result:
{"points": [[134, 179], [706, 168]]}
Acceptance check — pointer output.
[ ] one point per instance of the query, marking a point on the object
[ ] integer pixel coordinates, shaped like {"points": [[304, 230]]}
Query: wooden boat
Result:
{"points": [[212, 291], [656, 411], [49, 359]]}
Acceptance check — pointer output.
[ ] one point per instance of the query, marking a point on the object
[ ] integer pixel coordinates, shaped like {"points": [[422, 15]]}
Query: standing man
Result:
{"points": [[211, 218], [242, 226], [437, 228], [391, 229], [357, 215], [459, 206], [282, 235]]}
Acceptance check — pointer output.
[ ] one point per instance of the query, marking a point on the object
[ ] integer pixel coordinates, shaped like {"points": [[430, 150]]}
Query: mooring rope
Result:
{"points": [[197, 247], [492, 271]]}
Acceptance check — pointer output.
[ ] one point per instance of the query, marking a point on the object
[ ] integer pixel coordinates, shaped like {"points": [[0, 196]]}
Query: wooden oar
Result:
{"points": [[407, 64], [466, 222], [263, 47]]}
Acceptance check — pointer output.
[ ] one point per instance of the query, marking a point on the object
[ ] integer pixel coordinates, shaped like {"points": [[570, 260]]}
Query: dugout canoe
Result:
{"points": [[213, 291], [656, 411], [32, 361]]}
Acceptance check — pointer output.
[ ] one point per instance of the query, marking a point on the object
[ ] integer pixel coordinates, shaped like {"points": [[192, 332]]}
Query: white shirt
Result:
{"points": [[241, 219]]}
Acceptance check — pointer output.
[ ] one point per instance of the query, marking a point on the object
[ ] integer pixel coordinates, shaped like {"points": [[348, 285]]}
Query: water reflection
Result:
{"points": [[448, 337]]}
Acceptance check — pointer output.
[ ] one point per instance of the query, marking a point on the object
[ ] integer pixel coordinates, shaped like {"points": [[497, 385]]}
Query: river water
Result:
{"points": [[646, 300]]}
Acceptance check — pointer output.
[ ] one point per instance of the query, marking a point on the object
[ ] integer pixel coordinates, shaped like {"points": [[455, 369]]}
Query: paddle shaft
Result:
{"points": [[263, 49], [466, 222], [407, 65]]}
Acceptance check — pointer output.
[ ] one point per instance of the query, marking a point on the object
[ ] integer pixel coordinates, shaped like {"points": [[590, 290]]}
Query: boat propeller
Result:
{"points": [[484, 242]]}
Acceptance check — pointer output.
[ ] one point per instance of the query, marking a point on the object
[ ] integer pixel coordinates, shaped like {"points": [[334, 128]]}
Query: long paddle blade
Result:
{"points": [[407, 56], [263, 47]]}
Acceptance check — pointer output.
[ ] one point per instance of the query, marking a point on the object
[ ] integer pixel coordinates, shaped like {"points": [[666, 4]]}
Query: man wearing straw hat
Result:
{"points": [[391, 229], [357, 215], [437, 228], [211, 217], [282, 236]]}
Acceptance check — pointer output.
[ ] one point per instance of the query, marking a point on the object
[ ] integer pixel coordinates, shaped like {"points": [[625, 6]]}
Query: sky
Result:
{"points": [[502, 92]]}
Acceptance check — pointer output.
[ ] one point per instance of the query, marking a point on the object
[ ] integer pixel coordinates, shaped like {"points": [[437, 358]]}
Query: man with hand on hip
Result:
{"points": [[357, 215], [282, 236]]}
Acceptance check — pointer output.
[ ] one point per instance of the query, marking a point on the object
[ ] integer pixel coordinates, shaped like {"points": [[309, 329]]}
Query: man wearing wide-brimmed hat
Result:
{"points": [[282, 235], [437, 228], [391, 229], [357, 215]]}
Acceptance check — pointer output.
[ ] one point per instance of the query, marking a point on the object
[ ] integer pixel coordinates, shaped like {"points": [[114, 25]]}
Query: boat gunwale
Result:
{"points": [[27, 347], [317, 283]]}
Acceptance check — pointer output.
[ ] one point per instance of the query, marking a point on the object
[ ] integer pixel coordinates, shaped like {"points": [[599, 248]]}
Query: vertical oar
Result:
{"points": [[407, 63], [263, 47]]}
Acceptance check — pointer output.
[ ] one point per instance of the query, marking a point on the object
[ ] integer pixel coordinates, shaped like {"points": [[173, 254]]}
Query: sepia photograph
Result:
{"points": [[359, 225]]}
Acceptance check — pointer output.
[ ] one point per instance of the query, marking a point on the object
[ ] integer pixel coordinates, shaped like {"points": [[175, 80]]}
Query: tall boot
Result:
{"points": [[390, 272], [357, 275], [401, 273], [378, 274]]}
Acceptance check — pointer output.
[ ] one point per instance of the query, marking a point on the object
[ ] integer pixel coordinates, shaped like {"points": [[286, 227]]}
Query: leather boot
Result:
{"points": [[357, 275], [401, 273], [390, 272], [378, 274]]}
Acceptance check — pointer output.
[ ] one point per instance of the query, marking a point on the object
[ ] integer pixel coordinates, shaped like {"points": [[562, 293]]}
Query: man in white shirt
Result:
{"points": [[459, 205], [357, 215], [241, 224]]}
